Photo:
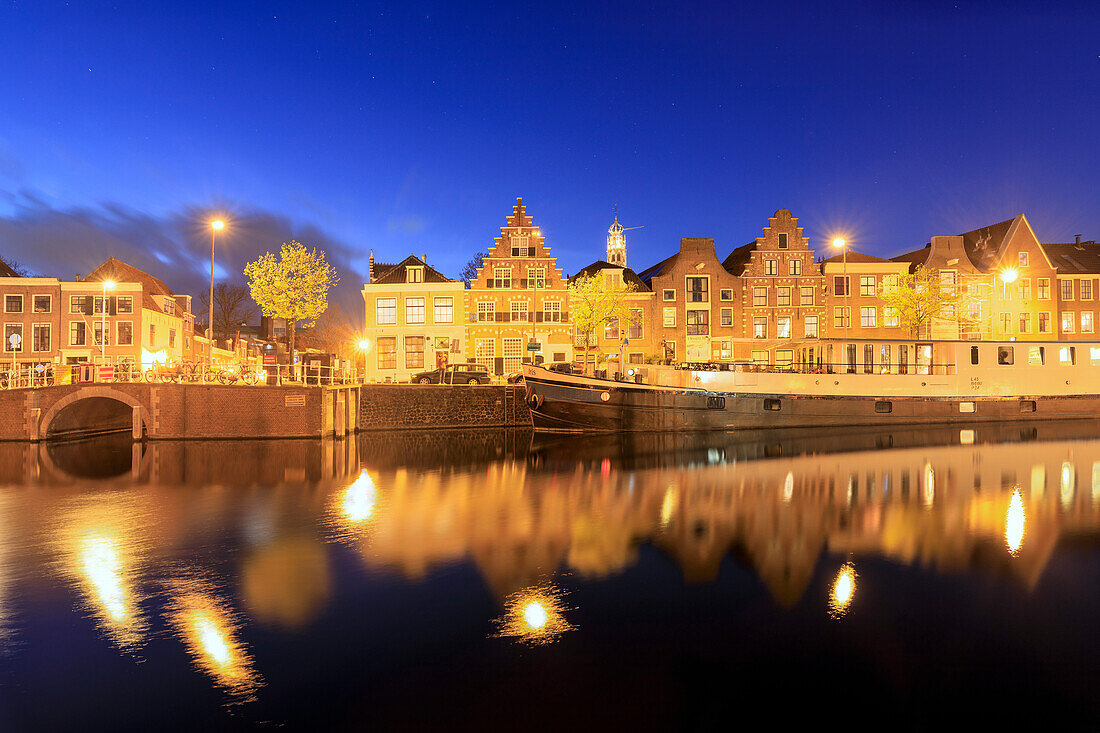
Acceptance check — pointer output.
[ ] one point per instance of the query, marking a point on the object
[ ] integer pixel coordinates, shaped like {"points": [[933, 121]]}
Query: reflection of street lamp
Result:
{"points": [[107, 285], [1007, 275], [842, 245], [215, 226], [364, 346]]}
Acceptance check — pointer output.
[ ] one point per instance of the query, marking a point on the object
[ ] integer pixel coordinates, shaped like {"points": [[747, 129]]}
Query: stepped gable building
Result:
{"points": [[518, 304], [1005, 280], [782, 293], [414, 319], [694, 298], [620, 343]]}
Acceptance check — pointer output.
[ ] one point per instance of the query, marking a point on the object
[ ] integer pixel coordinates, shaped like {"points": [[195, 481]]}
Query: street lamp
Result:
{"points": [[364, 346], [215, 226], [842, 245], [107, 285]]}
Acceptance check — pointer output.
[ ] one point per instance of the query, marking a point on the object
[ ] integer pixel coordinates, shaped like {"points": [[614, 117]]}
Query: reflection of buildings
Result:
{"points": [[940, 507]]}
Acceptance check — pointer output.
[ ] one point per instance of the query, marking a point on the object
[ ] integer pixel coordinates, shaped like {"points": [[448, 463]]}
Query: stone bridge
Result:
{"points": [[175, 411]]}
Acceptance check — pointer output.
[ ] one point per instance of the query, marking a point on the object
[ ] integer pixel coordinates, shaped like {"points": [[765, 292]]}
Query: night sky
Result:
{"points": [[411, 127]]}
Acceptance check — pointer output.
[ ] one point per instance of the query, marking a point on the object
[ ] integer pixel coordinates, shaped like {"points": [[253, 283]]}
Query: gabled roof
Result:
{"points": [[739, 258], [122, 272], [857, 257], [647, 275], [984, 246], [6, 270], [393, 274], [629, 276], [1074, 258], [914, 258]]}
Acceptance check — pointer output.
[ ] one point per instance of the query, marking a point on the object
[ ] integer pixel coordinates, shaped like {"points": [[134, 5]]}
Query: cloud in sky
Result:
{"points": [[173, 246]]}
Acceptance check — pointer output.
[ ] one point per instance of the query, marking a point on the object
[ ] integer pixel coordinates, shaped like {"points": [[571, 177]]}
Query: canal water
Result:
{"points": [[503, 581]]}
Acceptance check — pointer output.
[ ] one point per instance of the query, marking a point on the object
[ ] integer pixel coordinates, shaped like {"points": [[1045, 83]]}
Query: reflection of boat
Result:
{"points": [[947, 382]]}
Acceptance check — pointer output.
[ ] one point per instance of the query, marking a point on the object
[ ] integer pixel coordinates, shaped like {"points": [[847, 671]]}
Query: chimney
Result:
{"points": [[370, 267], [424, 257], [1078, 236]]}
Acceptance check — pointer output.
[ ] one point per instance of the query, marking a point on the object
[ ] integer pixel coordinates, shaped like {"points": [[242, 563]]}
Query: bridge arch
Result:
{"points": [[116, 405]]}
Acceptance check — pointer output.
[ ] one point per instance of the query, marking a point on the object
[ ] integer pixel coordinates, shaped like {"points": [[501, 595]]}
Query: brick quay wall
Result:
{"points": [[419, 406]]}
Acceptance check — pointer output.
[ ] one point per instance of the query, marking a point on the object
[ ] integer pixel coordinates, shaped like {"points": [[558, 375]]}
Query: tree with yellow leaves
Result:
{"points": [[595, 301], [293, 286]]}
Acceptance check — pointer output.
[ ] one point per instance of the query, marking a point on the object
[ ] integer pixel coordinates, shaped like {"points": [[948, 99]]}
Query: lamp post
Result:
{"points": [[364, 346], [215, 226], [841, 244], [1008, 276], [107, 285]]}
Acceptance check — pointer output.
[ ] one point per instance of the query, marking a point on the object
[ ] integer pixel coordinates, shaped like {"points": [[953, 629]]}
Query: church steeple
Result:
{"points": [[616, 242]]}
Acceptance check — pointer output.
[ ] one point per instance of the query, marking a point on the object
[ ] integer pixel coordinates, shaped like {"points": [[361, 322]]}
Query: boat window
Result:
{"points": [[903, 358], [884, 358], [773, 405], [881, 406], [716, 403], [868, 358], [973, 354], [1027, 405], [1067, 355], [1005, 355], [1035, 354], [851, 354], [966, 407]]}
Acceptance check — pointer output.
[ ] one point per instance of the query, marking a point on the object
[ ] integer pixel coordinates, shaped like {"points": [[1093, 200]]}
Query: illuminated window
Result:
{"points": [[1067, 355], [40, 337], [414, 310], [502, 277], [1006, 322], [486, 312], [697, 290], [414, 352], [1023, 259], [727, 316], [536, 277], [974, 310], [485, 351], [1086, 322], [698, 323], [1035, 355], [784, 357], [889, 283], [444, 310], [759, 297], [868, 317], [78, 335], [125, 331], [1043, 285], [806, 296], [385, 310], [669, 317], [760, 327], [518, 310], [783, 327], [784, 296], [947, 281], [414, 274], [552, 311], [634, 328], [1044, 323], [890, 318], [1023, 289], [811, 327], [387, 352], [760, 357], [771, 267], [513, 354], [842, 316], [1025, 323], [171, 338], [866, 285], [1094, 355], [520, 247], [611, 330], [1067, 322], [794, 267]]}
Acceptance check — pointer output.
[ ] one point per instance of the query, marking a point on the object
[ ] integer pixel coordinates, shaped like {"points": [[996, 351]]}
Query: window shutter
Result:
{"points": [[523, 283], [564, 316], [89, 305], [113, 303], [489, 283], [507, 317], [538, 316]]}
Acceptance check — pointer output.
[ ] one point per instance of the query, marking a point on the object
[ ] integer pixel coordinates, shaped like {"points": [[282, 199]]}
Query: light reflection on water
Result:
{"points": [[171, 556]]}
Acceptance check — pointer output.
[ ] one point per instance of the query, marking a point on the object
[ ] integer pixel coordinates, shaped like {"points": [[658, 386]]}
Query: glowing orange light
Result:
{"points": [[217, 225]]}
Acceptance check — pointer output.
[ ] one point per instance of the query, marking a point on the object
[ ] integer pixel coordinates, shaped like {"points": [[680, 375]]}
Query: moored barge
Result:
{"points": [[882, 383]]}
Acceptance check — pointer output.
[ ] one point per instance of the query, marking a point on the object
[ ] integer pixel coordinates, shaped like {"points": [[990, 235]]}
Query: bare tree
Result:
{"points": [[11, 268], [469, 270], [332, 332], [233, 306]]}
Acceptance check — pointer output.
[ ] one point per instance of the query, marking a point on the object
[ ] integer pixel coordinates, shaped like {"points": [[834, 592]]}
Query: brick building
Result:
{"points": [[629, 342], [1077, 266], [517, 306]]}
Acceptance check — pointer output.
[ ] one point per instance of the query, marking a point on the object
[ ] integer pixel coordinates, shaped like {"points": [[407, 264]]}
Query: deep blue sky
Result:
{"points": [[412, 126]]}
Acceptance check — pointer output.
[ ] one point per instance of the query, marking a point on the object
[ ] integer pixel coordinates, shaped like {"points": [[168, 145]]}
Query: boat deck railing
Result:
{"points": [[824, 368]]}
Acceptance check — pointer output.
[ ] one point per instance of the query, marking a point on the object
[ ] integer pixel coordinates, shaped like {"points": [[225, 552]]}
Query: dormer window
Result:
{"points": [[414, 274]]}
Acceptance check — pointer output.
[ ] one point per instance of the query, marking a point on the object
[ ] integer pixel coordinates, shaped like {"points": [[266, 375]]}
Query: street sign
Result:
{"points": [[15, 339], [533, 346]]}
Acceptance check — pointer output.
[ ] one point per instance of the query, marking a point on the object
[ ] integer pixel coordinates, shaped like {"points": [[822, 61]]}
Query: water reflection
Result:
{"points": [[534, 615], [100, 553], [844, 588], [1015, 520], [211, 633]]}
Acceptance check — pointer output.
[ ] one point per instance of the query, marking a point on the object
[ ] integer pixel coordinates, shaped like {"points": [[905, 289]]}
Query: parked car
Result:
{"points": [[454, 374]]}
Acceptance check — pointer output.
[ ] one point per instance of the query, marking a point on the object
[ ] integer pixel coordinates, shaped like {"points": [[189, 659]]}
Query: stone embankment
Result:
{"points": [[419, 406]]}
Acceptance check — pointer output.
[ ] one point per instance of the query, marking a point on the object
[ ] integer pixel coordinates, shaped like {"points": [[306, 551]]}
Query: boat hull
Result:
{"points": [[571, 404]]}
